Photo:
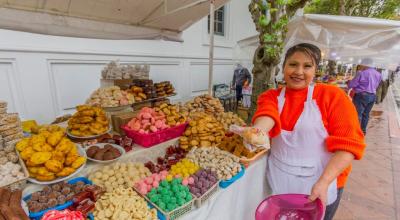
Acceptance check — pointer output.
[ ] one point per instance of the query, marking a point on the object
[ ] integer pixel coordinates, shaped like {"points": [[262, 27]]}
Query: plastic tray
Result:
{"points": [[225, 183], [38, 215], [247, 162], [149, 140], [210, 192], [88, 137], [175, 214]]}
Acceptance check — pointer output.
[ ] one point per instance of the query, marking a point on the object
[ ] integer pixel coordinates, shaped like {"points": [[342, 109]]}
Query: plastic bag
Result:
{"points": [[253, 138]]}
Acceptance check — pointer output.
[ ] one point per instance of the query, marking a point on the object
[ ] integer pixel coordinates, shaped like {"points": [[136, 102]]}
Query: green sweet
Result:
{"points": [[175, 188], [180, 201], [179, 180], [166, 198], [188, 197], [186, 189], [164, 183], [162, 205], [154, 198], [164, 191], [153, 191], [173, 200], [171, 206], [182, 194], [159, 189]]}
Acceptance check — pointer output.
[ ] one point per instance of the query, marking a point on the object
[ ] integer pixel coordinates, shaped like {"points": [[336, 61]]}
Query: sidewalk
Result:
{"points": [[373, 188]]}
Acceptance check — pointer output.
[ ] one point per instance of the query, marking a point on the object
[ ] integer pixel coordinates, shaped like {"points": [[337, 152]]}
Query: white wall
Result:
{"points": [[45, 76]]}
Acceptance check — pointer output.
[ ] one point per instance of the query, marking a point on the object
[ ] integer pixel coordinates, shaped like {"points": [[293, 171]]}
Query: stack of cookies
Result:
{"points": [[10, 126]]}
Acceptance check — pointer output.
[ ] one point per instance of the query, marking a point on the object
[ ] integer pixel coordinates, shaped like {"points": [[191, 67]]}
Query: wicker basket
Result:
{"points": [[21, 183], [175, 214], [210, 192], [247, 162]]}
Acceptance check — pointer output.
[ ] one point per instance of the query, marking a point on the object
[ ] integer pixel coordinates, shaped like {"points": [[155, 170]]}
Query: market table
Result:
{"points": [[238, 201]]}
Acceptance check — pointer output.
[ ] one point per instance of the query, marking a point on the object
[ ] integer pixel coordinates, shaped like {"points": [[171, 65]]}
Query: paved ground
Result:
{"points": [[373, 189]]}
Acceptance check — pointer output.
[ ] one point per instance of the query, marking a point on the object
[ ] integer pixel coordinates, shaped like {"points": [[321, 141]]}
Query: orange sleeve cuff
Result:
{"points": [[356, 147], [267, 105]]}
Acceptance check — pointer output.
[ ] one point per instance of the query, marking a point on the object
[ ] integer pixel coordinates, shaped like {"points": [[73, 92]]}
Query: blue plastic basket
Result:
{"points": [[38, 215], [225, 183]]}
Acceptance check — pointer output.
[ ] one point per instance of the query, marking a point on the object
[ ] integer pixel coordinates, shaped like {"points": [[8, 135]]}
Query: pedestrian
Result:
{"points": [[246, 92], [240, 75], [314, 130], [364, 85]]}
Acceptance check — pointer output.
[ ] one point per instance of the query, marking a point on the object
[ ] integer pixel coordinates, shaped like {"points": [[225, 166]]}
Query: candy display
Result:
{"points": [[203, 131], [49, 155], [88, 121], [223, 163], [10, 205], [119, 175], [228, 119], [172, 156], [164, 89], [84, 201], [171, 113], [205, 103], [234, 145], [170, 195], [107, 152], [202, 181], [53, 195], [114, 70], [148, 121], [123, 203], [111, 96]]}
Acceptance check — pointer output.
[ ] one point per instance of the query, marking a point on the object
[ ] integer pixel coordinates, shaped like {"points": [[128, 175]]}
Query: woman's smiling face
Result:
{"points": [[299, 70]]}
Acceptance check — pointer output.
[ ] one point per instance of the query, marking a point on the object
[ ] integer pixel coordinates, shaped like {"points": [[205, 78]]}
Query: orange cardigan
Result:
{"points": [[338, 114]]}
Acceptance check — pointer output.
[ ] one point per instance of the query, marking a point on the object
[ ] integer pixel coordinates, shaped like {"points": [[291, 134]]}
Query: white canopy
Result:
{"points": [[105, 19], [349, 39]]}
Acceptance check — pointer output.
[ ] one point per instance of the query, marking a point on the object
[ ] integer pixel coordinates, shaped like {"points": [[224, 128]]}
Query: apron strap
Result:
{"points": [[310, 92], [281, 99]]}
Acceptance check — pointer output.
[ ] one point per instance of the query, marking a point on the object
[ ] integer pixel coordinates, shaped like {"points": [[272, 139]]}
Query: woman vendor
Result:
{"points": [[314, 130]]}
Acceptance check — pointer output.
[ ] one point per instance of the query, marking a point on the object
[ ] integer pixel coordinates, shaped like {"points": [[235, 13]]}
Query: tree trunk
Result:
{"points": [[341, 7], [263, 79]]}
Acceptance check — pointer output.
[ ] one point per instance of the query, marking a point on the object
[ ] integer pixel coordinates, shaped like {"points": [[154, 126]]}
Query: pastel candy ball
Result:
{"points": [[149, 187], [155, 184], [190, 180], [185, 182]]}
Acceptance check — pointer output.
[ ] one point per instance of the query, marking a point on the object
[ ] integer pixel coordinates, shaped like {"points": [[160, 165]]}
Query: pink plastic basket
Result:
{"points": [[149, 140], [289, 207]]}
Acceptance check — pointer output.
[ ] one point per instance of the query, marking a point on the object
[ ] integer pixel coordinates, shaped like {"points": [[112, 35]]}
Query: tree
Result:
{"points": [[387, 9], [271, 18]]}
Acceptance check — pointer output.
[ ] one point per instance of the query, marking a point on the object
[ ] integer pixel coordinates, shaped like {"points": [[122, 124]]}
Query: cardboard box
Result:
{"points": [[120, 119]]}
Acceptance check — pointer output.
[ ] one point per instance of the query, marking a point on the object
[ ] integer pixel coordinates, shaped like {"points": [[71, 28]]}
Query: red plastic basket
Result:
{"points": [[149, 140]]}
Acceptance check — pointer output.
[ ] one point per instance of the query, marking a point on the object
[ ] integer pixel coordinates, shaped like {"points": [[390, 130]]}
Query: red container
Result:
{"points": [[149, 140]]}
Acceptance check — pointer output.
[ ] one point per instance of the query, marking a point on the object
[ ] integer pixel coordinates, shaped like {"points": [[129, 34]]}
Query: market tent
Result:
{"points": [[349, 39], [105, 19]]}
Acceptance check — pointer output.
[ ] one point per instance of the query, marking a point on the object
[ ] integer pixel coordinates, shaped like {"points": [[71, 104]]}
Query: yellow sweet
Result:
{"points": [[59, 156], [22, 144], [27, 153], [55, 137], [65, 147], [40, 157], [169, 177], [66, 171], [54, 166], [70, 159], [78, 162]]}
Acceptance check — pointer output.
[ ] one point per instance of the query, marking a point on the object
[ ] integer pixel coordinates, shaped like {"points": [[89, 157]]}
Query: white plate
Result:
{"points": [[101, 145], [88, 137], [82, 152]]}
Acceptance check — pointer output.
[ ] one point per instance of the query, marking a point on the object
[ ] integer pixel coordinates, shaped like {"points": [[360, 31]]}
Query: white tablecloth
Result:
{"points": [[238, 201]]}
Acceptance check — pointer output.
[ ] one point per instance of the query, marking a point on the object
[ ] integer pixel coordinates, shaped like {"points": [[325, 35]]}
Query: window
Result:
{"points": [[219, 22]]}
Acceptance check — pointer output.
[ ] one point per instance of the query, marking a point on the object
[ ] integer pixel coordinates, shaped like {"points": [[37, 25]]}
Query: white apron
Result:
{"points": [[299, 157]]}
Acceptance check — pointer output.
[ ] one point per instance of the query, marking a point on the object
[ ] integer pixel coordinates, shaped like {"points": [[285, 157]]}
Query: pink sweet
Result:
{"points": [[153, 128], [163, 177], [146, 115], [155, 184], [190, 180], [164, 172], [178, 175], [157, 178], [143, 191], [185, 182], [149, 187], [149, 180], [141, 131]]}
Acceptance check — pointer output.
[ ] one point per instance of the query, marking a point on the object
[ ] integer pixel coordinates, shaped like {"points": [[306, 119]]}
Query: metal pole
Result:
{"points": [[211, 57]]}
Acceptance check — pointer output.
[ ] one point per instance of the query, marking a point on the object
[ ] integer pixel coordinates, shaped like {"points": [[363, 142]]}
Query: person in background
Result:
{"points": [[312, 143], [240, 75], [364, 85], [246, 91]]}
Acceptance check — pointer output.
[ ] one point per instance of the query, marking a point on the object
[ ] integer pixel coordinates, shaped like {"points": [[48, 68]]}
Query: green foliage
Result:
{"points": [[387, 9]]}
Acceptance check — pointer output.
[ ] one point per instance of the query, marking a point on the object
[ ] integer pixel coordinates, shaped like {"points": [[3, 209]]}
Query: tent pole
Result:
{"points": [[211, 57]]}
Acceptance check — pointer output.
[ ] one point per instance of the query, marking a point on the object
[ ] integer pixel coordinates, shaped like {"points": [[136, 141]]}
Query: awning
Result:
{"points": [[105, 19], [349, 39]]}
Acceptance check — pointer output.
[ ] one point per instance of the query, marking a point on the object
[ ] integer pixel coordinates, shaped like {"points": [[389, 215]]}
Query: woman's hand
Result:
{"points": [[319, 190]]}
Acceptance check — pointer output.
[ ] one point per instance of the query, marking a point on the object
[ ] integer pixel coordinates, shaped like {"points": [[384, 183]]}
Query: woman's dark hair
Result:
{"points": [[311, 50]]}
